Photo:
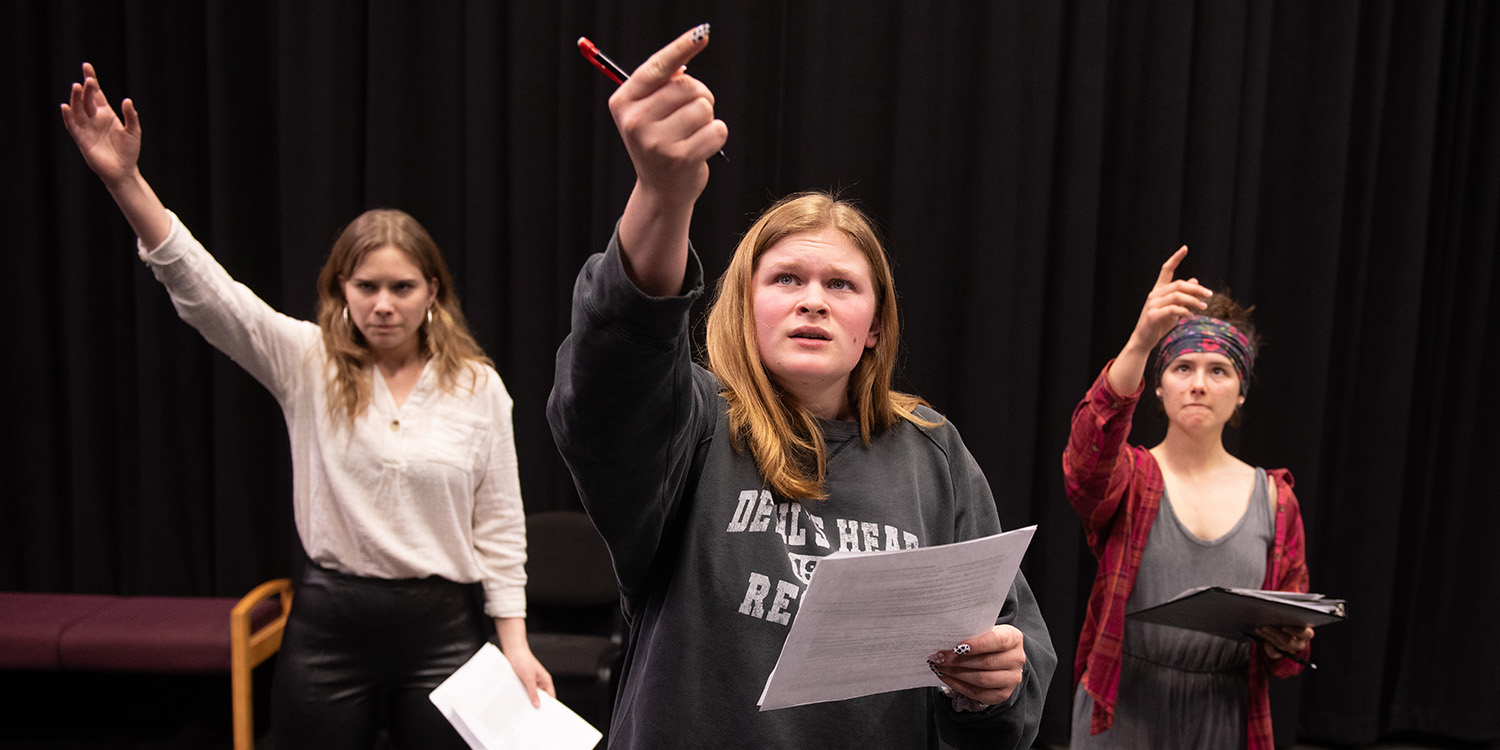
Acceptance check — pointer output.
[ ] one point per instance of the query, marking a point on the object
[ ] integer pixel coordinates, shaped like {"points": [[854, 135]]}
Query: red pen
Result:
{"points": [[601, 61], [609, 68]]}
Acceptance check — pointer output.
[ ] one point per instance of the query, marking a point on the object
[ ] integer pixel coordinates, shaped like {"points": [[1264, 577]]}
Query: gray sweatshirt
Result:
{"points": [[711, 563]]}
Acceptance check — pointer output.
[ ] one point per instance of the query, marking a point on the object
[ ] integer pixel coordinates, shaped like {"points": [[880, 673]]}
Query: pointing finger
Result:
{"points": [[667, 62], [1169, 268]]}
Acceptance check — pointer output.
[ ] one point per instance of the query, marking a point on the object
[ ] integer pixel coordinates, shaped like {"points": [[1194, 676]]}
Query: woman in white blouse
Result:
{"points": [[405, 486]]}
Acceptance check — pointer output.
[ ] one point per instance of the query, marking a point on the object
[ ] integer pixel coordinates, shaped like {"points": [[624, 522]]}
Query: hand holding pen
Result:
{"points": [[673, 95], [666, 119], [1287, 641]]}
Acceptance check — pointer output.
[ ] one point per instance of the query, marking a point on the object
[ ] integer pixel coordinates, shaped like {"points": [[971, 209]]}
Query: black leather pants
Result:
{"points": [[360, 655]]}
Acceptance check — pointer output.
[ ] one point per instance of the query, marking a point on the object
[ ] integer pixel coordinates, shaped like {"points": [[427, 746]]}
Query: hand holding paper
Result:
{"points": [[868, 622], [486, 702], [987, 667]]}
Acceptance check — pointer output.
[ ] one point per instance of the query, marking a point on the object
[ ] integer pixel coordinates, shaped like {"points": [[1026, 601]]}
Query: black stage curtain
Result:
{"points": [[1032, 164]]}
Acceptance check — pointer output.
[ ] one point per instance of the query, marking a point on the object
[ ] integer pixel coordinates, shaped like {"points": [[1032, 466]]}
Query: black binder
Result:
{"points": [[1235, 613]]}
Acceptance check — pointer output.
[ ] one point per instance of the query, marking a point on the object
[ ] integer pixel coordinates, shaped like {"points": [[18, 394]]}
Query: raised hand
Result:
{"points": [[666, 118], [110, 144], [1170, 300]]}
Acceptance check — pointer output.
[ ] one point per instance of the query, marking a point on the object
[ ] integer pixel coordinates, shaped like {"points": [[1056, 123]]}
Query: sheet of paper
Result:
{"points": [[486, 702], [868, 622]]}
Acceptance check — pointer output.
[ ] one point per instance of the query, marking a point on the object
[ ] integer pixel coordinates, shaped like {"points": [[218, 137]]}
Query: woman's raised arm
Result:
{"points": [[666, 118], [111, 145]]}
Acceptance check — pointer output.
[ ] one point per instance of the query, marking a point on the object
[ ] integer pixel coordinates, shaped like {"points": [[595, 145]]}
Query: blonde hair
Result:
{"points": [[783, 437], [445, 339]]}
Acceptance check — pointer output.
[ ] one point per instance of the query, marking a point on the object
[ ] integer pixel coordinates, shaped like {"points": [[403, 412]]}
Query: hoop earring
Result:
{"points": [[429, 315], [346, 314]]}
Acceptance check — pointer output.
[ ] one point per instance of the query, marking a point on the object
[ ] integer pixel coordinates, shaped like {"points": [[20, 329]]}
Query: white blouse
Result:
{"points": [[430, 488]]}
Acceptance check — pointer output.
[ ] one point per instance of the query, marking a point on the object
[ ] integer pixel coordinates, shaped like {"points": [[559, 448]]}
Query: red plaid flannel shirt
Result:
{"points": [[1116, 489]]}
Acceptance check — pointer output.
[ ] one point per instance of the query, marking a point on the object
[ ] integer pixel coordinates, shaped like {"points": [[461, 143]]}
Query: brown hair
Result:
{"points": [[1223, 307], [784, 438], [445, 339]]}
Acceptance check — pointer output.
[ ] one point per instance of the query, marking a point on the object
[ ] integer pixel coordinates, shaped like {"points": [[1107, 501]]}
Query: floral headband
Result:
{"points": [[1201, 333]]}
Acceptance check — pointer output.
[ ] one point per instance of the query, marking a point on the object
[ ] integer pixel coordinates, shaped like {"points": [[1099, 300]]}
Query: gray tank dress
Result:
{"points": [[1180, 688]]}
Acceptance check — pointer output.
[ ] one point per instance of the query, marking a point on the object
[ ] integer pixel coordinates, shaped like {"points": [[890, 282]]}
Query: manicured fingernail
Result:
{"points": [[700, 34], [961, 649], [937, 658], [934, 667]]}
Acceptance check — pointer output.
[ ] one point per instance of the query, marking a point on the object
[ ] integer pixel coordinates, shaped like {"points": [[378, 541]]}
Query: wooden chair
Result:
{"points": [[248, 648], [151, 635]]}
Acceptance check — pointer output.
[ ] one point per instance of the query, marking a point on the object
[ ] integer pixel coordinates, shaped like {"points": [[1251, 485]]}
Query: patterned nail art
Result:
{"points": [[700, 33], [961, 649], [932, 665]]}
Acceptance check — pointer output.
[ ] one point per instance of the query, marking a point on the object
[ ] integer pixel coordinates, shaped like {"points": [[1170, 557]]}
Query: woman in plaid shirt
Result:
{"points": [[1184, 513]]}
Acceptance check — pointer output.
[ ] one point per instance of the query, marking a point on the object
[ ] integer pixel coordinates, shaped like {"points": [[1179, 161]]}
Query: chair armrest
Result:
{"points": [[247, 648]]}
